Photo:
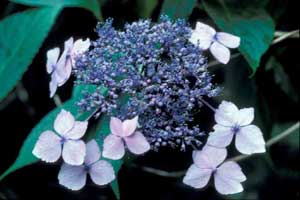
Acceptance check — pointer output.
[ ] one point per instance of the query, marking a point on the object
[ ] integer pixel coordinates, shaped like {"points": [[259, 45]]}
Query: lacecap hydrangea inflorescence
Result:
{"points": [[160, 73]]}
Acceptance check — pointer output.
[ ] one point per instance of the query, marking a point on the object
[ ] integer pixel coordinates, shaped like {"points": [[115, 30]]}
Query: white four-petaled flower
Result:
{"points": [[100, 171], [61, 68], [66, 141], [124, 132], [217, 42], [207, 162], [232, 121]]}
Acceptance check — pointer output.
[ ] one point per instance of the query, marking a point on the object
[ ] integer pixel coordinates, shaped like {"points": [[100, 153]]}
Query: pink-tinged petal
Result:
{"points": [[113, 147], [221, 136], [116, 126], [129, 126], [209, 157], [250, 140], [74, 152], [72, 177], [202, 35], [228, 40], [197, 177], [137, 143], [226, 185], [102, 172], [48, 147], [220, 52], [80, 46], [231, 170], [52, 86], [92, 152], [225, 113], [52, 57], [244, 116], [77, 131], [64, 122]]}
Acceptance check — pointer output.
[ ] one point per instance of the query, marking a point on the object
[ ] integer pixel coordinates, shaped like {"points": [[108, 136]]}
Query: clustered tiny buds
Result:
{"points": [[161, 71]]}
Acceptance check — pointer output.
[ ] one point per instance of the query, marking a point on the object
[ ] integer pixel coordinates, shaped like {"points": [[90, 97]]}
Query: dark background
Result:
{"points": [[274, 175]]}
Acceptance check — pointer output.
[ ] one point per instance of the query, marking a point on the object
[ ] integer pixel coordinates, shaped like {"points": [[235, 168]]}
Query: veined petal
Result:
{"points": [[197, 177], [77, 131], [113, 147], [225, 114], [74, 152], [221, 136], [102, 172], [116, 126], [137, 143], [209, 157], [92, 152], [64, 122], [250, 140], [220, 52], [48, 147], [129, 126], [52, 57], [228, 40], [72, 177]]}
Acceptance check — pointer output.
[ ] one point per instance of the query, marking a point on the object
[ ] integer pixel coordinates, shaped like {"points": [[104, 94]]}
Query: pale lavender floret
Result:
{"points": [[160, 72]]}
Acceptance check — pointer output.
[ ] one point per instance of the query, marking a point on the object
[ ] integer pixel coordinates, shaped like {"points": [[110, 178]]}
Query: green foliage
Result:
{"points": [[248, 21], [92, 5], [21, 36], [178, 8], [25, 156], [145, 7]]}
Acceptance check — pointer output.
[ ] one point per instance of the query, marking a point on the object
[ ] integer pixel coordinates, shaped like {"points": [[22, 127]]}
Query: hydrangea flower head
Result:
{"points": [[218, 43], [124, 132], [65, 141], [100, 171], [232, 121], [60, 68], [207, 162]]}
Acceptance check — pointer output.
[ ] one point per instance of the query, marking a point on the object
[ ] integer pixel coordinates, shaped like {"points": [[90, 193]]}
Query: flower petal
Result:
{"points": [[113, 147], [77, 131], [220, 52], [74, 152], [250, 140], [137, 143], [92, 152], [63, 69], [52, 57], [244, 116], [52, 86], [116, 126], [64, 122], [129, 126], [225, 113], [228, 40], [102, 172], [203, 34], [197, 177], [209, 157], [48, 147], [231, 170], [80, 46], [227, 186], [72, 177], [220, 137]]}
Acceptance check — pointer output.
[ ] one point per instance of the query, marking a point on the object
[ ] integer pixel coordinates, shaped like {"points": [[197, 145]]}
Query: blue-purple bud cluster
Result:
{"points": [[154, 69]]}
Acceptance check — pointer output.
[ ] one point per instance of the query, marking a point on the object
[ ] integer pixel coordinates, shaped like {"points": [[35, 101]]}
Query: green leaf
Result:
{"points": [[178, 8], [25, 156], [21, 36], [145, 7], [91, 5], [252, 24]]}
